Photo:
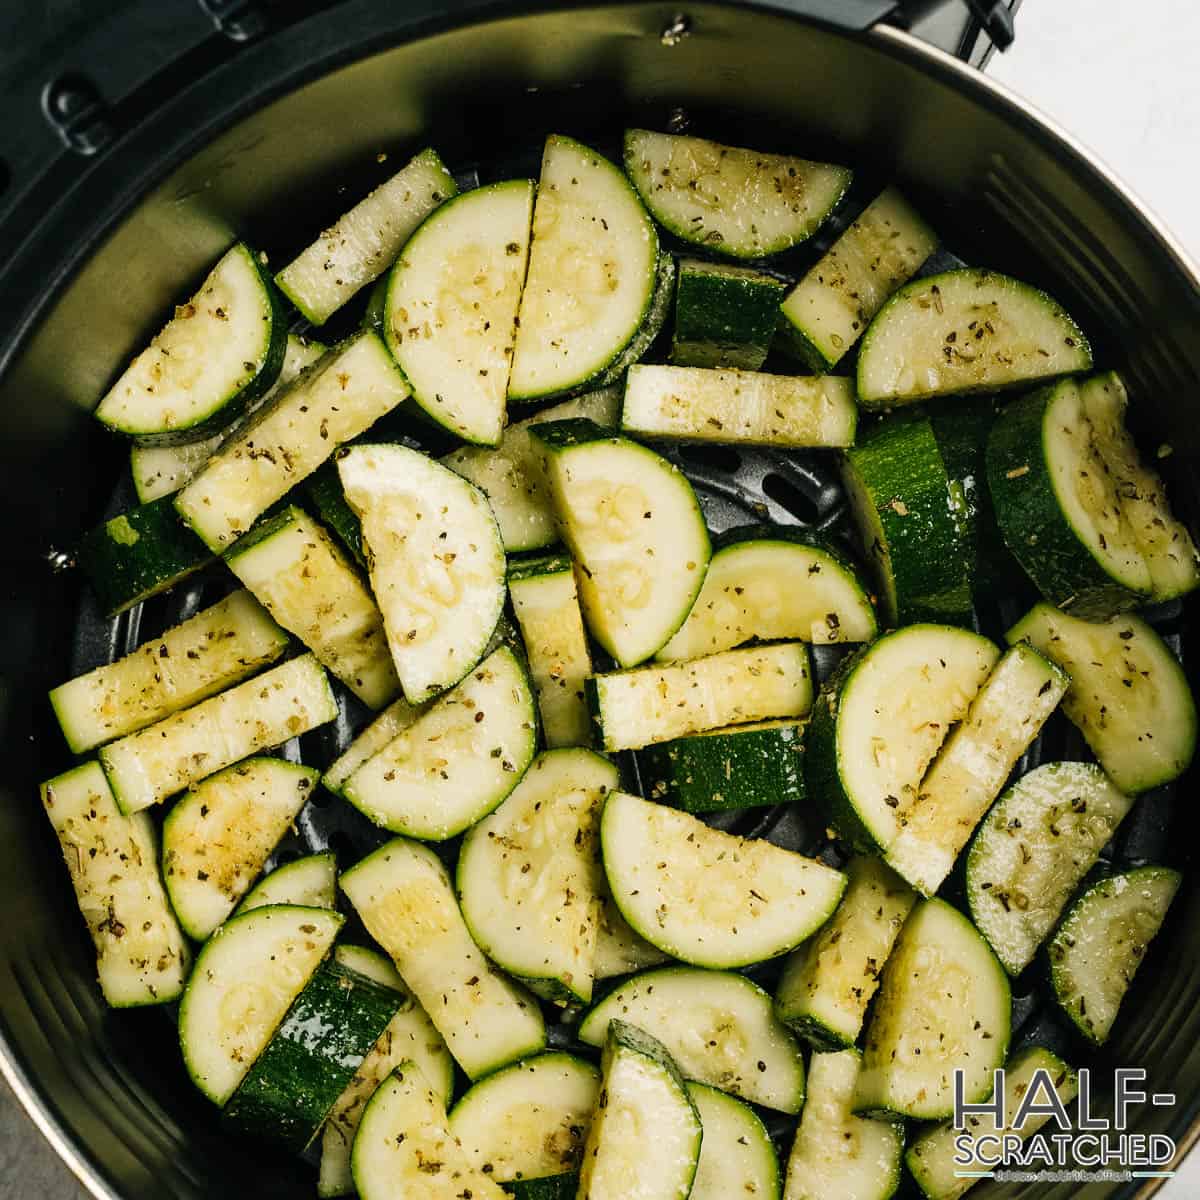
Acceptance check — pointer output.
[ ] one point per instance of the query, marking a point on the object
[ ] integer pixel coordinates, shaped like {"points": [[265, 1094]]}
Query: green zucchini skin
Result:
{"points": [[324, 489], [138, 554], [551, 1187], [911, 523], [312, 1057], [1033, 526], [725, 316], [740, 767]]}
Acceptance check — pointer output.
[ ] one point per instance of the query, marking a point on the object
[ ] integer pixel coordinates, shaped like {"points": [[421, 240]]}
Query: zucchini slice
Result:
{"points": [[911, 523], [722, 770], [546, 604], [362, 243], [705, 896], [406, 901], [222, 349], [698, 404], [1101, 942], [828, 982], [725, 316], [457, 761], [719, 1028], [933, 1157], [219, 646], [529, 879], [314, 1054], [1164, 541], [736, 202], [408, 1037], [1059, 508], [310, 882], [636, 708], [510, 475], [965, 331], [385, 728], [1007, 713], [837, 1155], [592, 273], [635, 529], [436, 562], [648, 331], [335, 400], [112, 859], [221, 831], [826, 313], [878, 723], [244, 982], [162, 470], [1128, 696], [641, 1090], [139, 554], [772, 584], [450, 316], [162, 759], [736, 1154], [944, 1006], [1032, 851], [404, 1146], [620, 951], [324, 489], [305, 582], [529, 1120]]}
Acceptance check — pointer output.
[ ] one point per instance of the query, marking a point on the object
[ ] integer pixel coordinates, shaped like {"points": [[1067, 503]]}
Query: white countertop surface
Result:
{"points": [[1119, 76]]}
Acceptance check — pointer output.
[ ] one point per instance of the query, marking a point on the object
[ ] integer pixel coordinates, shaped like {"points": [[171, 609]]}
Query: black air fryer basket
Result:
{"points": [[141, 139]]}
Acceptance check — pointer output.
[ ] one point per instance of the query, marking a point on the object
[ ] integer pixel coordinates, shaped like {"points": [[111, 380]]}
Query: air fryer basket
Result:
{"points": [[271, 145]]}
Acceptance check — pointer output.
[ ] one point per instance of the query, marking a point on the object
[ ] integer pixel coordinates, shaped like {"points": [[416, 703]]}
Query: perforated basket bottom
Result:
{"points": [[735, 487]]}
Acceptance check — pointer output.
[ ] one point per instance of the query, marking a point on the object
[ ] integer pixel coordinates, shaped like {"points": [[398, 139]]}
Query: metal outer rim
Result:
{"points": [[885, 38]]}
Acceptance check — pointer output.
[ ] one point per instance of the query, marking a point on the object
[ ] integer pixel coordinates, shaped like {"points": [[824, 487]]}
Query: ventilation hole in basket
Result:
{"points": [[715, 458], [788, 496], [342, 844], [320, 798], [286, 856]]}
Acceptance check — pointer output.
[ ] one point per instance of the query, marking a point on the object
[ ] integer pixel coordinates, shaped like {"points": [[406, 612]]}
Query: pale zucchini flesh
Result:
{"points": [[829, 309], [771, 587], [362, 243], [1032, 851], [435, 559], [221, 348], [838, 1155], [529, 877], [154, 763], [404, 1147], [545, 602], [405, 899], [944, 1006], [219, 834], [966, 331], [933, 1159], [451, 309], [641, 1090], [385, 728], [529, 1120], [217, 647], [1129, 696], [338, 398], [635, 529], [457, 761], [242, 986], [511, 477], [719, 1028], [707, 897], [659, 703], [736, 1155], [732, 201], [619, 950], [592, 273], [310, 882], [112, 859], [1102, 941], [302, 578], [699, 404], [828, 982], [1005, 716]]}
